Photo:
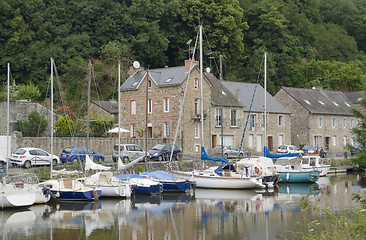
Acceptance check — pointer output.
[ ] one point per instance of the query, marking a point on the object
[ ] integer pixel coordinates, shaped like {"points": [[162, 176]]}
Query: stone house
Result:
{"points": [[225, 109], [104, 108], [278, 130], [319, 117]]}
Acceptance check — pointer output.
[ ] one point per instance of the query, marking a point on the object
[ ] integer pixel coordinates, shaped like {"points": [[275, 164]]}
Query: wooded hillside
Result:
{"points": [[309, 43]]}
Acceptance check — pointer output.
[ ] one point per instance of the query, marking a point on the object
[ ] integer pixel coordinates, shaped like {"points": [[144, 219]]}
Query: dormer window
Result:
{"points": [[347, 104], [336, 104], [135, 83], [321, 102], [307, 102]]}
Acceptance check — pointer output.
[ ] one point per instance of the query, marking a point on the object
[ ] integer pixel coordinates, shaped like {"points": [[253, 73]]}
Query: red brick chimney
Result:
{"points": [[133, 70], [187, 64]]}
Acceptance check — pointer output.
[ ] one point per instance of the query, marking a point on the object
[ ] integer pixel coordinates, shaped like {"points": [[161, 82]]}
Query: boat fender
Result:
{"points": [[256, 170]]}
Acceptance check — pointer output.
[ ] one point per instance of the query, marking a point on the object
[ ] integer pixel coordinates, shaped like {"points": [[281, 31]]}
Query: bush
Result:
{"points": [[35, 125]]}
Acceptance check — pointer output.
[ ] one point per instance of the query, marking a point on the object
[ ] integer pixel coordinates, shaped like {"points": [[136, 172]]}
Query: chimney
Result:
{"points": [[187, 64], [132, 71]]}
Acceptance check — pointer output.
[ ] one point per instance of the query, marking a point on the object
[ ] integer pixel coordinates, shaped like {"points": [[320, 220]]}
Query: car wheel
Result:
{"points": [[240, 155], [54, 162], [146, 159], [27, 164], [125, 159], [225, 155], [160, 158], [2, 164], [100, 159], [114, 159], [75, 160]]}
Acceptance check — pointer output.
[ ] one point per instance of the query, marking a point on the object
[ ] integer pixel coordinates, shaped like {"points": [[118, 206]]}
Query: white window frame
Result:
{"points": [[320, 122], [166, 129], [334, 140], [149, 83], [133, 107], [334, 122], [344, 140], [133, 130], [196, 106], [251, 138], [252, 122], [351, 123], [280, 139], [196, 130], [149, 106], [196, 83], [166, 105], [218, 117], [344, 123], [317, 140], [234, 118], [281, 120]]}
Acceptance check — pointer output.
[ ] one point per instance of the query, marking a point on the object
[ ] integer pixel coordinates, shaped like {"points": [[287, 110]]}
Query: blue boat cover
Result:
{"points": [[2, 170], [161, 175], [270, 155], [125, 176], [204, 156], [222, 167]]}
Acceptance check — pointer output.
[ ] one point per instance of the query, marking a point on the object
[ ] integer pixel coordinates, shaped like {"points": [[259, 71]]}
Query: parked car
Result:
{"points": [[27, 157], [356, 148], [283, 149], [74, 154], [314, 149], [127, 152], [229, 151], [162, 151]]}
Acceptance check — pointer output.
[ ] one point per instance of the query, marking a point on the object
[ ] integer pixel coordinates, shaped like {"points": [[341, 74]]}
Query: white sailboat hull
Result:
{"points": [[220, 182], [13, 196]]}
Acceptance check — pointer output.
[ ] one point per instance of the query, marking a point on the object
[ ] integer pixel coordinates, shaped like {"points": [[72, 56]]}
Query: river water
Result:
{"points": [[206, 214]]}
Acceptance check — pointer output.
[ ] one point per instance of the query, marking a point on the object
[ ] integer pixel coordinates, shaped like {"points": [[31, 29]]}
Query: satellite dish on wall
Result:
{"points": [[136, 64], [208, 70]]}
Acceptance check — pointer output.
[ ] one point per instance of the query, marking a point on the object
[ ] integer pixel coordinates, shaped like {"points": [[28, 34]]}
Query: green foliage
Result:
{"points": [[34, 127], [360, 134], [64, 126], [99, 125], [29, 91], [141, 132], [140, 169]]}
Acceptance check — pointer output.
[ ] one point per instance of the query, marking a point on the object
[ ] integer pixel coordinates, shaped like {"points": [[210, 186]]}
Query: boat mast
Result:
{"points": [[8, 123], [51, 116], [265, 97], [201, 83], [222, 110], [119, 108], [87, 123]]}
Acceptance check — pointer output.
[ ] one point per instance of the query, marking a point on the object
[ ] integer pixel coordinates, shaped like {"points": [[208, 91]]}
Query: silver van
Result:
{"points": [[128, 152]]}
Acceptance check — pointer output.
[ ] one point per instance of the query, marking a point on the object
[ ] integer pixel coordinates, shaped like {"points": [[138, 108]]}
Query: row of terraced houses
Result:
{"points": [[170, 97]]}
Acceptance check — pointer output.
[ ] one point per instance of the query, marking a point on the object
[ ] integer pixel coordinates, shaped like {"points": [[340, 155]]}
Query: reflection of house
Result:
{"points": [[221, 106], [278, 130], [104, 108], [320, 117]]}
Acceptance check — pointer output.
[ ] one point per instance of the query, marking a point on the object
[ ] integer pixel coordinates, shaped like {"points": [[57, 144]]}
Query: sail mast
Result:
{"points": [[51, 117], [201, 83], [119, 108], [265, 97], [8, 123]]}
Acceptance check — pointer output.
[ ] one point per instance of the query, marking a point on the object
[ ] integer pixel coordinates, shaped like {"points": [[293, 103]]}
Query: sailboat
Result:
{"points": [[224, 176], [14, 192]]}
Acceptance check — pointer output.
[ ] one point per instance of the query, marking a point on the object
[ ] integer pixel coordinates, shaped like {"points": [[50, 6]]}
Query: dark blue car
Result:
{"points": [[162, 151], [75, 154]]}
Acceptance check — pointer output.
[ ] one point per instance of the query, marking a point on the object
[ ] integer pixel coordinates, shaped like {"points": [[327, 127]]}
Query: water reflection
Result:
{"points": [[207, 214]]}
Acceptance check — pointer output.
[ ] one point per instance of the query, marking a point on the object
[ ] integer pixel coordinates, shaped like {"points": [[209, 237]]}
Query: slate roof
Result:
{"points": [[108, 106], [354, 97], [162, 77], [244, 92], [221, 96], [320, 101]]}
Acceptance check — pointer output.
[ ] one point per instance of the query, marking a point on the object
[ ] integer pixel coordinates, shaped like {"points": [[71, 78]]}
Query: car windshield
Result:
{"points": [[283, 147], [67, 150], [158, 147]]}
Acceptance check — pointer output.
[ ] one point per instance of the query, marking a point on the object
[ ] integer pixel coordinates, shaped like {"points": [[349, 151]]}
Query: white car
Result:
{"points": [[128, 152], [28, 157], [2, 162], [283, 149]]}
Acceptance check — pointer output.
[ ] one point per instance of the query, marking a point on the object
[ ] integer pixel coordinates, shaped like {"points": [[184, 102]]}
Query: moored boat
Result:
{"points": [[170, 182], [291, 171], [315, 162], [143, 185]]}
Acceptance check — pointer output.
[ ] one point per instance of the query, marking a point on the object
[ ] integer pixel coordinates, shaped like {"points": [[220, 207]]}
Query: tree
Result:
{"points": [[360, 134], [35, 125], [64, 126], [99, 125], [29, 91]]}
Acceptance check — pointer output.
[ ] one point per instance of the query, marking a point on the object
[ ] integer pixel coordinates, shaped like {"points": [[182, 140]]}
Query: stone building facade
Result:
{"points": [[320, 117], [225, 110]]}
